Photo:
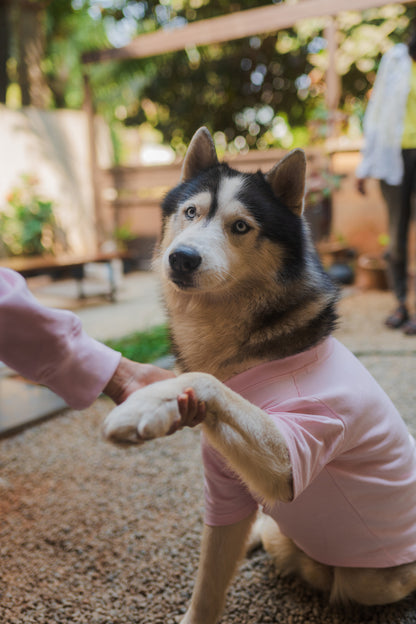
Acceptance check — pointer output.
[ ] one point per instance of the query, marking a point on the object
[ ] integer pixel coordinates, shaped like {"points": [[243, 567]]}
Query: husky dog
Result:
{"points": [[293, 423]]}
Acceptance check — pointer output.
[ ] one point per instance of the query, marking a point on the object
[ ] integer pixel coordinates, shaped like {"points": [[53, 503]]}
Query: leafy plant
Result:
{"points": [[124, 233], [144, 346], [256, 92], [320, 185], [27, 222]]}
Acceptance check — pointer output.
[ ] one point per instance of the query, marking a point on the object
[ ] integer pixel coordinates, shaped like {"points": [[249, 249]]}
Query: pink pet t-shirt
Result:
{"points": [[353, 461]]}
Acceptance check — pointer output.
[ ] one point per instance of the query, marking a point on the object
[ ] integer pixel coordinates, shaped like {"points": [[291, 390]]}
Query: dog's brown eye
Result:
{"points": [[190, 213], [240, 227]]}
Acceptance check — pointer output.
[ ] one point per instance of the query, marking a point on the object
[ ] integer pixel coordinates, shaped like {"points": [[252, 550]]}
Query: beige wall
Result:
{"points": [[53, 146], [144, 221]]}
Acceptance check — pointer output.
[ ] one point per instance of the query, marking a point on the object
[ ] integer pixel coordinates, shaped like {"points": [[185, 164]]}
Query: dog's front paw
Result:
{"points": [[155, 411], [143, 416]]}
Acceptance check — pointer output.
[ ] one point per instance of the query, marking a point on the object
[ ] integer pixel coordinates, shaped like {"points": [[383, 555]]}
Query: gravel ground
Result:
{"points": [[93, 534]]}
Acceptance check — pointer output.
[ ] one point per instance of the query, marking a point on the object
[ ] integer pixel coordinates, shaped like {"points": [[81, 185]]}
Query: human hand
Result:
{"points": [[360, 185], [130, 376], [155, 411], [191, 410]]}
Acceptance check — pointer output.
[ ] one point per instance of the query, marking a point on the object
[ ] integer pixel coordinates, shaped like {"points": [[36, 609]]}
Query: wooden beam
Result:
{"points": [[333, 82], [88, 106], [265, 19]]}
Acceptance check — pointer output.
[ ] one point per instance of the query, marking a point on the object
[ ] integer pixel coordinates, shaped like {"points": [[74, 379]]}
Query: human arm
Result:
{"points": [[131, 376], [50, 347], [360, 185]]}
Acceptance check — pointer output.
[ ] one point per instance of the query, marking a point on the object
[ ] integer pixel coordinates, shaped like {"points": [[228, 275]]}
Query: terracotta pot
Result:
{"points": [[371, 273]]}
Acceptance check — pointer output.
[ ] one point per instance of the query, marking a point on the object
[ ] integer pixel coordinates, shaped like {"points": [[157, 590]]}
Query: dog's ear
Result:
{"points": [[287, 179], [201, 154]]}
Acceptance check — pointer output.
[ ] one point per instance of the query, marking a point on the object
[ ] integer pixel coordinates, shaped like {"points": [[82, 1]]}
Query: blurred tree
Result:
{"points": [[263, 90], [4, 48], [22, 50], [29, 17], [259, 91]]}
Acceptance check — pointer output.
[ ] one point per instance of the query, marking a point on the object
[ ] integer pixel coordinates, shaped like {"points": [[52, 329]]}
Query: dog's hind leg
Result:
{"points": [[366, 586], [373, 586], [287, 557]]}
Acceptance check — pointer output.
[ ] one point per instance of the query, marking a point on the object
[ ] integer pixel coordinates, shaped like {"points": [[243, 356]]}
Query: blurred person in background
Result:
{"points": [[389, 155]]}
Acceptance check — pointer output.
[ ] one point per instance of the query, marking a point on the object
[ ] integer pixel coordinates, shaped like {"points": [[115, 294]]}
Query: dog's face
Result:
{"points": [[223, 227]]}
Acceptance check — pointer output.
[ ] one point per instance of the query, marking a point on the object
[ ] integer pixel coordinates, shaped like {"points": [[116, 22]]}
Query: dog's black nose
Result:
{"points": [[184, 260]]}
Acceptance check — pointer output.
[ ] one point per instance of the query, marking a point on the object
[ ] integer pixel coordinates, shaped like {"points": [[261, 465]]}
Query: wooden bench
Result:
{"points": [[58, 266]]}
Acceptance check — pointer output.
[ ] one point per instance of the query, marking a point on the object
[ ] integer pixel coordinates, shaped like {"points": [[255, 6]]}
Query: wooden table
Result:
{"points": [[57, 266]]}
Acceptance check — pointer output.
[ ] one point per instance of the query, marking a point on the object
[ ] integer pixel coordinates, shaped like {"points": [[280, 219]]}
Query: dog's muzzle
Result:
{"points": [[183, 262]]}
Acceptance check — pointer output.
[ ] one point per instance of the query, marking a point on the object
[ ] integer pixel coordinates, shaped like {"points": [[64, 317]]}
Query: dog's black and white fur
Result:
{"points": [[243, 286]]}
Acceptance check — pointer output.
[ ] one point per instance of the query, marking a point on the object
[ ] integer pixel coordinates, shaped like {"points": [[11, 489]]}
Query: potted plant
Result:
{"points": [[27, 221], [372, 268], [137, 250]]}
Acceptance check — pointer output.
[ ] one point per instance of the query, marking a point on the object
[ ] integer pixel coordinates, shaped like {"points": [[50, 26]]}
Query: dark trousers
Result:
{"points": [[399, 204]]}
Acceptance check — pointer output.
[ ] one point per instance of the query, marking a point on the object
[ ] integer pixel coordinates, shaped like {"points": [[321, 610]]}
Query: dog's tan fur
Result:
{"points": [[240, 431]]}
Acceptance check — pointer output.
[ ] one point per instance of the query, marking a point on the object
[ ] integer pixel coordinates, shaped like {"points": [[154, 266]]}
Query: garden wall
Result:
{"points": [[54, 147]]}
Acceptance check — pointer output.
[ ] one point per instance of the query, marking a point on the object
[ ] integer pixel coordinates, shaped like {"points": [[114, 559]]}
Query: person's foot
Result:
{"points": [[398, 318], [409, 328]]}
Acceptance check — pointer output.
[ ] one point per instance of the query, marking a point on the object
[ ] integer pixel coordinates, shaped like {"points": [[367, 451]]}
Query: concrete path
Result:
{"points": [[138, 305]]}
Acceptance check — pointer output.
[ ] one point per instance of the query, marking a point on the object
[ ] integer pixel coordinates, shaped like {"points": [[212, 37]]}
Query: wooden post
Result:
{"points": [[4, 48], [95, 172], [29, 19], [333, 83]]}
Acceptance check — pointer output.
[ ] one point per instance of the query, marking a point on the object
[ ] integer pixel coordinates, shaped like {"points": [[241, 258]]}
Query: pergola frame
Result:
{"points": [[233, 26]]}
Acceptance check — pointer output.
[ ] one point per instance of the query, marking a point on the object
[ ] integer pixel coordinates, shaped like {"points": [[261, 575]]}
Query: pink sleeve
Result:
{"points": [[49, 346], [227, 499], [314, 436]]}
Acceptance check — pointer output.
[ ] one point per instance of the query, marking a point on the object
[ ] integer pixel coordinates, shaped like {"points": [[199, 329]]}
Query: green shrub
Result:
{"points": [[27, 222], [145, 346]]}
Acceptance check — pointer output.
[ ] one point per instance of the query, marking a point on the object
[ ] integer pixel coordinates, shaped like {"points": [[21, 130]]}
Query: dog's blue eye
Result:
{"points": [[190, 213], [240, 227]]}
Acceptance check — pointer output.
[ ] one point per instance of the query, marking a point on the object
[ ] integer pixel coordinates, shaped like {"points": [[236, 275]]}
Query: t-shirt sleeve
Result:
{"points": [[314, 436], [227, 498], [49, 346]]}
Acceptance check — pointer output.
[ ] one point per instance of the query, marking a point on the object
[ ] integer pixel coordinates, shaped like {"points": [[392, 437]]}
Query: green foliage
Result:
{"points": [[262, 90], [257, 92], [321, 184], [69, 33], [124, 233], [27, 221], [144, 346]]}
